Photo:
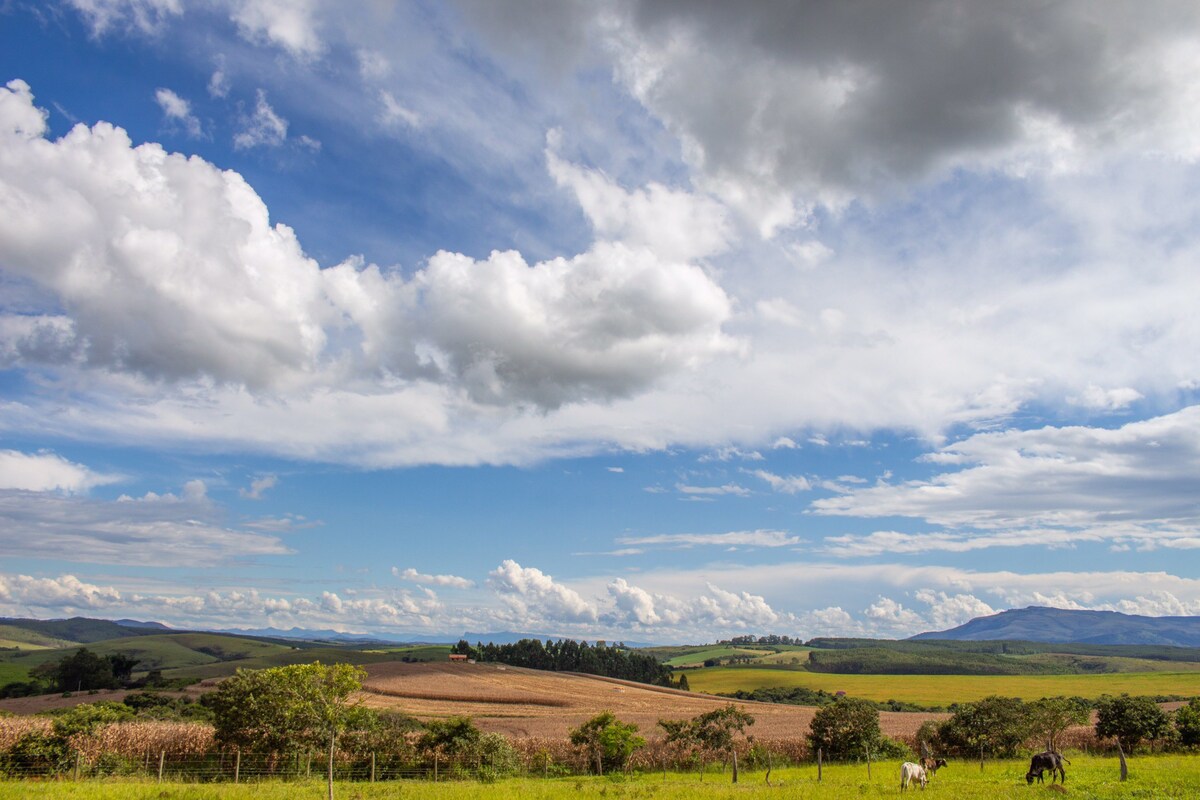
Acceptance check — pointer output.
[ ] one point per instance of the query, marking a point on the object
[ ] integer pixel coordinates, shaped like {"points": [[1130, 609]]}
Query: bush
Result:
{"points": [[607, 741], [848, 728], [496, 757], [887, 747], [35, 754], [1187, 723], [452, 736]]}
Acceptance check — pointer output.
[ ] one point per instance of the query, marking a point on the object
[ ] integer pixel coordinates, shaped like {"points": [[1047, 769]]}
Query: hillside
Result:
{"points": [[81, 630], [1039, 624]]}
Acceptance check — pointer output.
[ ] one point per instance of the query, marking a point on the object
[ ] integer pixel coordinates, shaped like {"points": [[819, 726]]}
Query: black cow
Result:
{"points": [[1048, 760]]}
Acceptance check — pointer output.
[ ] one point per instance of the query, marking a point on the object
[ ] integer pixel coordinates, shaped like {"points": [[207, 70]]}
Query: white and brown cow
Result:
{"points": [[910, 772]]}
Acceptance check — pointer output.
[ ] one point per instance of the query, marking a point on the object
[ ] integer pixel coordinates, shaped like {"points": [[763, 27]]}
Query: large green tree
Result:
{"points": [[996, 725], [1131, 720], [1051, 716], [713, 733], [286, 709]]}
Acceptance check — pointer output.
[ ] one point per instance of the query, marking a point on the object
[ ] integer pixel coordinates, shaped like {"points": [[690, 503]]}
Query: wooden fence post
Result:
{"points": [[1124, 766], [868, 763], [819, 758], [162, 756], [372, 766], [77, 757], [237, 765], [435, 767]]}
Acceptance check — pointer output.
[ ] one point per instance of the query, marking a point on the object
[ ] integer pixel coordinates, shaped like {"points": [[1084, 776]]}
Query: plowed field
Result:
{"points": [[530, 703]]}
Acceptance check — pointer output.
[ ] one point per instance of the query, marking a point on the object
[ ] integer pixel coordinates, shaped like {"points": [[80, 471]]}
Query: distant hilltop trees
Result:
{"points": [[774, 638], [567, 655]]}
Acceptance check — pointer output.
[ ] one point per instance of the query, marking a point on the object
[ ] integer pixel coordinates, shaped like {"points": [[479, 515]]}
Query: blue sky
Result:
{"points": [[630, 320]]}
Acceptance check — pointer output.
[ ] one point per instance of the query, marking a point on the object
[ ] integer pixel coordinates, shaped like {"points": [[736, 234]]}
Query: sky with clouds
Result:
{"points": [[654, 321]]}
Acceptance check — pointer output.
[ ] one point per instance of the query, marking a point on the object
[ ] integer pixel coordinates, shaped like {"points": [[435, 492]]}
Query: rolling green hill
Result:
{"points": [[326, 655], [77, 629], [18, 638], [170, 651]]}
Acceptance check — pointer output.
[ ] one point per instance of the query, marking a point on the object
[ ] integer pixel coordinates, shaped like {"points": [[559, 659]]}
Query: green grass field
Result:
{"points": [[1091, 777], [417, 652], [1083, 664], [941, 690], [280, 658], [699, 656]]}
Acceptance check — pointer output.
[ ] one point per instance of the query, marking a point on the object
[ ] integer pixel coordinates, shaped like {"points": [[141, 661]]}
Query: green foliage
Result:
{"points": [[152, 705], [84, 670], [86, 718], [616, 661], [1051, 716], [887, 747], [607, 741], [997, 725], [1131, 720], [381, 732], [486, 756], [848, 728], [450, 737], [881, 660], [1187, 723], [495, 756], [715, 729], [928, 733], [35, 754], [284, 709]]}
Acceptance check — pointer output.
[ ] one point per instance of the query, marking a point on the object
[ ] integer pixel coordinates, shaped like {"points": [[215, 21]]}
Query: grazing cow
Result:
{"points": [[932, 765], [910, 772], [1048, 760]]}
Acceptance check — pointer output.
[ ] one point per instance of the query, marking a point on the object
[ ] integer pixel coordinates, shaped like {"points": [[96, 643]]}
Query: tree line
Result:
{"points": [[567, 655], [80, 671]]}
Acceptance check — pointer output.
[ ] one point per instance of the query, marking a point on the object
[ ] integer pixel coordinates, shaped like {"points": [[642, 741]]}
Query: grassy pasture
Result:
{"points": [[279, 658], [1089, 664], [160, 651], [12, 672], [784, 658], [699, 656], [941, 690], [15, 636], [416, 652], [1092, 777]]}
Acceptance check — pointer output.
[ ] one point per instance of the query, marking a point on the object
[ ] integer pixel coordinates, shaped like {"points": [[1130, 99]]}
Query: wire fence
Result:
{"points": [[239, 767]]}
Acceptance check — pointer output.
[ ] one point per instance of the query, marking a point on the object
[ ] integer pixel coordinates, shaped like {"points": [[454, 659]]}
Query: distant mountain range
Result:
{"points": [[1040, 624], [315, 635]]}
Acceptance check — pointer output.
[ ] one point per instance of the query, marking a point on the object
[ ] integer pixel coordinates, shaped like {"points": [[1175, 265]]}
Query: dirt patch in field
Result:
{"points": [[531, 703]]}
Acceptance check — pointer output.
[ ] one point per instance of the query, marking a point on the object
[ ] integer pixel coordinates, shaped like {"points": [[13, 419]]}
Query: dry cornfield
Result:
{"points": [[544, 706], [135, 739], [13, 728]]}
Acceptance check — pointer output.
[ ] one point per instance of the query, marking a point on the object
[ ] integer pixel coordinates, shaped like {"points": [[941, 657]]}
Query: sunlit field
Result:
{"points": [[1087, 776], [941, 690]]}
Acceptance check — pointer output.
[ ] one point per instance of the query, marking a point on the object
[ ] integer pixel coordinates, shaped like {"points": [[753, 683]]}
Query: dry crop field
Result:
{"points": [[531, 703]]}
